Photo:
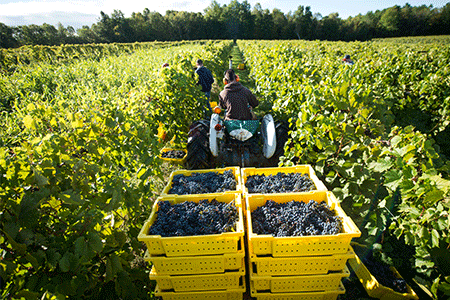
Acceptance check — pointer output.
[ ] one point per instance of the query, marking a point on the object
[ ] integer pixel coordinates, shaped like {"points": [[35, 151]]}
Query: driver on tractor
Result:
{"points": [[236, 99]]}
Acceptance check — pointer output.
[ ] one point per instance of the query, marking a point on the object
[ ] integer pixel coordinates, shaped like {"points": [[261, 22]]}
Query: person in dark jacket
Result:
{"points": [[205, 79], [237, 100]]}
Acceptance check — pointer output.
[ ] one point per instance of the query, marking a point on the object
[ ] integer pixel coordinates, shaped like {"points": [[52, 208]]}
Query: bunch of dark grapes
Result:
{"points": [[295, 218], [190, 218], [173, 154], [203, 183], [280, 183], [382, 271]]}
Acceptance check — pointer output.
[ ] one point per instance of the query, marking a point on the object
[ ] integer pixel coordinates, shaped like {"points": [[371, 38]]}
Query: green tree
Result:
{"points": [[330, 27], [390, 20], [280, 24], [238, 20], [303, 22], [88, 35], [215, 21], [121, 28], [140, 26], [158, 26], [7, 39], [264, 25]]}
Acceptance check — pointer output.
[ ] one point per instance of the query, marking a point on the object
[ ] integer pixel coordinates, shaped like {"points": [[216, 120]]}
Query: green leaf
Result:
{"points": [[395, 140], [381, 165], [80, 247], [94, 242], [352, 148], [435, 238], [21, 248], [64, 263], [28, 295], [70, 197], [53, 258], [392, 179], [40, 179], [403, 151], [445, 288], [433, 196], [32, 260]]}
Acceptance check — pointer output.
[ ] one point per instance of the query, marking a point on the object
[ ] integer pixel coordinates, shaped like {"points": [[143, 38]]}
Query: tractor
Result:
{"points": [[245, 143]]}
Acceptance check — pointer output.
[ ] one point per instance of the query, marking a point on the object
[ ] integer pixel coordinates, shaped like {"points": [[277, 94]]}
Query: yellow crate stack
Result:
{"points": [[198, 267], [306, 267], [215, 266]]}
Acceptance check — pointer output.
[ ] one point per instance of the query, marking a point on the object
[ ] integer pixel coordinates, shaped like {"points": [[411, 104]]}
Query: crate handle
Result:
{"points": [[353, 225]]}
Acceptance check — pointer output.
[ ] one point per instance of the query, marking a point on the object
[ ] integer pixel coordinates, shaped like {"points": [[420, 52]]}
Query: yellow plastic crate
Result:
{"points": [[213, 244], [205, 264], [199, 282], [173, 160], [236, 171], [230, 294], [324, 295], [297, 283], [303, 265], [374, 288], [300, 245], [303, 169]]}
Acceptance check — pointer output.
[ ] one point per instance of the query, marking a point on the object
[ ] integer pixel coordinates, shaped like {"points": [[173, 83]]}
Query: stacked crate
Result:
{"points": [[305, 267], [198, 267]]}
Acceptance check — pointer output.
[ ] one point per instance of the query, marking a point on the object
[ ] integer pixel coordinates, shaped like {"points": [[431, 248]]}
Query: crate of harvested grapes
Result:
{"points": [[228, 294], [176, 156], [199, 282], [297, 179], [301, 265], [297, 283], [194, 225], [202, 264], [385, 283], [304, 224], [205, 182], [313, 295]]}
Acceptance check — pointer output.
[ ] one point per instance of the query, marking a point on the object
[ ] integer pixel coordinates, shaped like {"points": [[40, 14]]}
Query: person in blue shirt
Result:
{"points": [[205, 79], [347, 60]]}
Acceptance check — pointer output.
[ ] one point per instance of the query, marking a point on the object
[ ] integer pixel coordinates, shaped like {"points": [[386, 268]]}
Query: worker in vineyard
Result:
{"points": [[237, 100], [347, 60], [205, 79]]}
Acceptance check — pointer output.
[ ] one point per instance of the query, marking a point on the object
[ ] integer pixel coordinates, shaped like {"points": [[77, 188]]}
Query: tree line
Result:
{"points": [[237, 20]]}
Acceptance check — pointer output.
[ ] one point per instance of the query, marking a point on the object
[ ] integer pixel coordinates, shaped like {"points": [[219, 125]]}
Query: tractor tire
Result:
{"points": [[198, 153], [281, 130]]}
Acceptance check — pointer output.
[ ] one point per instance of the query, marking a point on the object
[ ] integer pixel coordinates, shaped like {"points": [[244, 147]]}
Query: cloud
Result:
{"points": [[23, 8], [77, 13], [74, 19], [159, 6]]}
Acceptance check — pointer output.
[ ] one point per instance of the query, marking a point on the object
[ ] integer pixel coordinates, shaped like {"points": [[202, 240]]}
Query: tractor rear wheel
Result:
{"points": [[198, 153], [281, 131]]}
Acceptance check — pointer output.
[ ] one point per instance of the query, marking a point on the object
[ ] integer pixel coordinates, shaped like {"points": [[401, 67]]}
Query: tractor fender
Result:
{"points": [[213, 138], [268, 135]]}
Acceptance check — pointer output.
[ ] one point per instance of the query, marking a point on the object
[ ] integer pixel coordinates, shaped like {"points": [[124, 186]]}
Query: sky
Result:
{"points": [[77, 13]]}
